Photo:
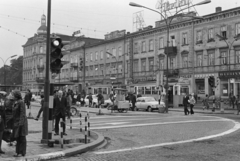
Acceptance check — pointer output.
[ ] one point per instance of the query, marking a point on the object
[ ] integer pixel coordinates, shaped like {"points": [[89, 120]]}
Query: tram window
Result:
{"points": [[104, 90], [147, 90], [154, 90]]}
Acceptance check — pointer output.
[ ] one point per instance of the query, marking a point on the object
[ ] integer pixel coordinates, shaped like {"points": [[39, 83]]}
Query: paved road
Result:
{"points": [[146, 137]]}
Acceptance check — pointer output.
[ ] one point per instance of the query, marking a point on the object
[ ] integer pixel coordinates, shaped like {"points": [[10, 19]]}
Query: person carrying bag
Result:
{"points": [[192, 102]]}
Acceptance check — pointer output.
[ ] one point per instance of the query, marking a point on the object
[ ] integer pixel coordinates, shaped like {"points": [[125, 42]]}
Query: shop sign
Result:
{"points": [[183, 80], [144, 79], [229, 74], [203, 75]]}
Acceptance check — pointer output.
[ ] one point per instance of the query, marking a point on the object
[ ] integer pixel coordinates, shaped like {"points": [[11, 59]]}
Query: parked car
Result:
{"points": [[148, 104]]}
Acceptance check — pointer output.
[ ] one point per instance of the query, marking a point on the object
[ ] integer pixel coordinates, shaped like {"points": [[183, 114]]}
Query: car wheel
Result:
{"points": [[136, 109], [149, 109], [73, 111]]}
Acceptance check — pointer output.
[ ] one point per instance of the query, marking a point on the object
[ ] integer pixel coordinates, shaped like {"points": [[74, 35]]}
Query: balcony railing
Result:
{"points": [[40, 67], [40, 79], [143, 73], [171, 50], [74, 79], [74, 65]]}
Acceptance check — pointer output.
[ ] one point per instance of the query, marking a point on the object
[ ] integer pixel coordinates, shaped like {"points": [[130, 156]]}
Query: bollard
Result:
{"points": [[88, 126], [62, 134], [100, 109], [86, 130], [70, 123], [80, 122]]}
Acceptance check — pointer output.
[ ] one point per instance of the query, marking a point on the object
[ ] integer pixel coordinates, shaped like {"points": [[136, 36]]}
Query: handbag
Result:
{"points": [[7, 135]]}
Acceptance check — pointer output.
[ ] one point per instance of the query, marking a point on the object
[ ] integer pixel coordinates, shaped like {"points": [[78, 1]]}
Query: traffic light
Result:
{"points": [[81, 64], [211, 81], [56, 55]]}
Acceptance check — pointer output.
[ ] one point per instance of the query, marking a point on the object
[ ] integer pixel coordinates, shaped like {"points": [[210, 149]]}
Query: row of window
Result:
{"points": [[101, 55], [185, 41], [28, 51], [32, 63], [29, 76]]}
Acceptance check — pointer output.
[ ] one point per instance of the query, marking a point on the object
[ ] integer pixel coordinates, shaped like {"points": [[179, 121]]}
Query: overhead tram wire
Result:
{"points": [[54, 24], [9, 30]]}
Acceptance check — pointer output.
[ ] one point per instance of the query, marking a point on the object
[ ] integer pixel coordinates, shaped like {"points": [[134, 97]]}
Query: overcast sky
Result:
{"points": [[94, 18]]}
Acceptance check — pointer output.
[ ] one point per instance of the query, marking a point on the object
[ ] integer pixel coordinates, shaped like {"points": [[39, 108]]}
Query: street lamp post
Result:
{"points": [[4, 68], [168, 21]]}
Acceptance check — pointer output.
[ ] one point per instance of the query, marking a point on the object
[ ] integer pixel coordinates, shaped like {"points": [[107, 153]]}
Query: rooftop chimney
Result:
{"points": [[218, 9]]}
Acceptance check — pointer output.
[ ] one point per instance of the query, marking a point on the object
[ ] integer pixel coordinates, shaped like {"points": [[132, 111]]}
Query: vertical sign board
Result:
{"points": [[131, 57]]}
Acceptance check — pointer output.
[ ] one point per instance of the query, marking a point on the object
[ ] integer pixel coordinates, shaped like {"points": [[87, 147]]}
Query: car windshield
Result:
{"points": [[150, 99]]}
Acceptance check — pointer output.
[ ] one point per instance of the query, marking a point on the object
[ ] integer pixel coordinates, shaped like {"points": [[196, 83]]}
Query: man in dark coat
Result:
{"points": [[185, 104], [28, 98], [59, 107], [133, 100]]}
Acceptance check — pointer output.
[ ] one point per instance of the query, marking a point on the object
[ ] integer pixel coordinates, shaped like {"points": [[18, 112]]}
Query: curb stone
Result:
{"points": [[68, 152]]}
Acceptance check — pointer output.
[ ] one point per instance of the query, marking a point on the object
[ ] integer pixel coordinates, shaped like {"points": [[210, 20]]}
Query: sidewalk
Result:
{"points": [[74, 144], [198, 108]]}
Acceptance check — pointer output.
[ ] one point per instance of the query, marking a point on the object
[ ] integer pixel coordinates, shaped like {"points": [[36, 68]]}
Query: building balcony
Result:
{"points": [[40, 67], [143, 73], [171, 50], [74, 65], [171, 72], [40, 79], [74, 79]]}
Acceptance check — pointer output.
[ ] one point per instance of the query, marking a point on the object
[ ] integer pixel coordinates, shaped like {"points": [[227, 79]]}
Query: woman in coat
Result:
{"points": [[20, 124], [2, 126]]}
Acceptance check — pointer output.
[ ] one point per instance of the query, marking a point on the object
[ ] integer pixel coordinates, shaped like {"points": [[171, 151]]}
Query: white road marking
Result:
{"points": [[151, 124], [235, 128], [103, 117], [121, 120]]}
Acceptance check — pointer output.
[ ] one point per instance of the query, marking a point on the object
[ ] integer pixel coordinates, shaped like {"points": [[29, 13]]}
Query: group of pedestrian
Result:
{"points": [[13, 120], [189, 101]]}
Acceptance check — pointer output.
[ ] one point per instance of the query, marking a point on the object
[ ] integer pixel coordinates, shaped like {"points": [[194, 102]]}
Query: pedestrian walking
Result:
{"points": [[69, 104], [59, 107], [8, 104], [82, 99], [206, 102], [233, 101], [238, 104], [90, 99], [185, 104], [20, 123], [218, 102], [2, 126], [100, 99], [192, 102], [28, 98], [41, 109], [214, 104], [133, 100]]}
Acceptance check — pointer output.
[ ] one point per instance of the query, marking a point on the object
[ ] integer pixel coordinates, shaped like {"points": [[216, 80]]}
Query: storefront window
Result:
{"points": [[147, 90], [200, 86], [224, 89]]}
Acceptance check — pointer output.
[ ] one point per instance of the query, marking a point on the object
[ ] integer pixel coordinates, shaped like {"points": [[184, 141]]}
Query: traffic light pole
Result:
{"points": [[45, 125]]}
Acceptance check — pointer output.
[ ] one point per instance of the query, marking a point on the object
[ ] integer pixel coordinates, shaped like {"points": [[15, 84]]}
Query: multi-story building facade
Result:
{"points": [[34, 58], [138, 60]]}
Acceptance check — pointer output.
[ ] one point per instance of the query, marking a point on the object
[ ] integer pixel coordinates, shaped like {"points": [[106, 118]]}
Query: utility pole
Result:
{"points": [[47, 80]]}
